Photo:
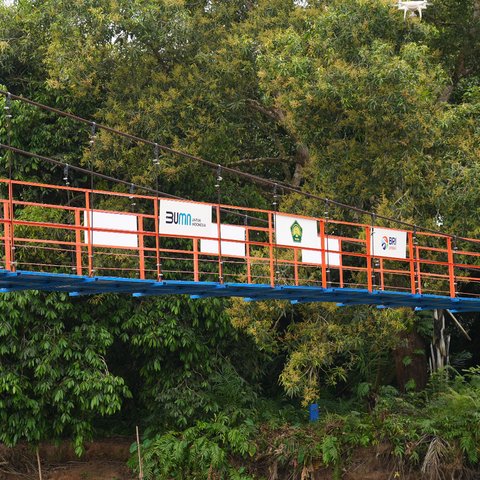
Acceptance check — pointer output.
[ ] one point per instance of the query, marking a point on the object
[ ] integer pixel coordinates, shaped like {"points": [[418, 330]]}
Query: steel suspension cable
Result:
{"points": [[85, 170], [233, 171], [102, 176]]}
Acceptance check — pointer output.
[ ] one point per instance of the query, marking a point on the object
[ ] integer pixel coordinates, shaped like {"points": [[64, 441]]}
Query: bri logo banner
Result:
{"points": [[388, 243]]}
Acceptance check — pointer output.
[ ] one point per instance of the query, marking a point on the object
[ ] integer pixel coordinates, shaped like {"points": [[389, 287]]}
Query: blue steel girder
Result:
{"points": [[77, 285]]}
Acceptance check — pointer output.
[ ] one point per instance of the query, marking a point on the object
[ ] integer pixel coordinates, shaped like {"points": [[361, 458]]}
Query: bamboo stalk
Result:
{"points": [[39, 465], [140, 466]]}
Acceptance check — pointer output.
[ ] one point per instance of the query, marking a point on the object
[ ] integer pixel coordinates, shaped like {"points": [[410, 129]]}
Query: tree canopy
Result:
{"points": [[342, 98]]}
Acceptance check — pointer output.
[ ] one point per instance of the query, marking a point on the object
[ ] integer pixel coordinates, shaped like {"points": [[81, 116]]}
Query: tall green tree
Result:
{"points": [[54, 380]]}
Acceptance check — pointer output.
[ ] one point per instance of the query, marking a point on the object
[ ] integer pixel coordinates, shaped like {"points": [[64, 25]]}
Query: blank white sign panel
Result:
{"points": [[331, 257], [388, 243], [229, 249], [112, 221], [307, 233]]}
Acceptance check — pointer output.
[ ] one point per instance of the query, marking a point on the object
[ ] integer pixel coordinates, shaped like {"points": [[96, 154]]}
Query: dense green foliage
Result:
{"points": [[340, 97], [54, 379]]}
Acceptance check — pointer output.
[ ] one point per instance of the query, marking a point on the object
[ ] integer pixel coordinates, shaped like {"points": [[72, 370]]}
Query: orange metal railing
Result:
{"points": [[58, 237]]}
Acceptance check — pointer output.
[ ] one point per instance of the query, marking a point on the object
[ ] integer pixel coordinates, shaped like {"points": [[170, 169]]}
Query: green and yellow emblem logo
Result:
{"points": [[297, 232]]}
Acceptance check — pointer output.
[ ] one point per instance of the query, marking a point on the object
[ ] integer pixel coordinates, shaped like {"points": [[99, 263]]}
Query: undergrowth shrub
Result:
{"points": [[435, 432], [438, 428], [205, 450]]}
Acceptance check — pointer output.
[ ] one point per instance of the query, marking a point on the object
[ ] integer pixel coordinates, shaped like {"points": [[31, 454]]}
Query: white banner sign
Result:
{"points": [[229, 249], [388, 243], [332, 257], [111, 221], [185, 218], [296, 231]]}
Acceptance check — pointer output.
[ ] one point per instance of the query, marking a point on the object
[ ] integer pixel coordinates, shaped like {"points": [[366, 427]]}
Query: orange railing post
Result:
{"points": [[7, 236], [270, 248], [382, 282], [419, 274], [156, 213], [195, 260], [247, 247], [322, 245], [11, 215], [451, 267], [411, 259], [89, 233], [295, 265], [340, 255], [141, 248], [78, 242], [368, 244], [219, 233]]}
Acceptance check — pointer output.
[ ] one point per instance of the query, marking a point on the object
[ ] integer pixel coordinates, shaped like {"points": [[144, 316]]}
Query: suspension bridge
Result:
{"points": [[85, 241]]}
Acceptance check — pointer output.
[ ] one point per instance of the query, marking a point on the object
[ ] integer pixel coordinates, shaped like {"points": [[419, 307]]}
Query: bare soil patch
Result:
{"points": [[102, 460], [107, 459]]}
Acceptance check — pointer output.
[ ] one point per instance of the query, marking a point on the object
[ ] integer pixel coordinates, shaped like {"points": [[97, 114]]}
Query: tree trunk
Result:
{"points": [[440, 346], [411, 362]]}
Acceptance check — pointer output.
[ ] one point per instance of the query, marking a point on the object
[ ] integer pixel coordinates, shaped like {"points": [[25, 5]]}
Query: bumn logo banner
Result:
{"points": [[185, 218]]}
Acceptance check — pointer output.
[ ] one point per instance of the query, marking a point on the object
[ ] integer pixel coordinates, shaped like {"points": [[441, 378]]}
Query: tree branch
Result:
{"points": [[274, 113], [461, 70], [250, 161], [302, 155]]}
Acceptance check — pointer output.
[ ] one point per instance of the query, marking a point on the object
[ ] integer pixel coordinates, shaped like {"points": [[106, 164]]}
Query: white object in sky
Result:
{"points": [[412, 7]]}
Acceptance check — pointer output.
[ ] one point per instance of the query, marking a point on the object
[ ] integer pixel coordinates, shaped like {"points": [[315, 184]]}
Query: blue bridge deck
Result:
{"points": [[76, 285]]}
